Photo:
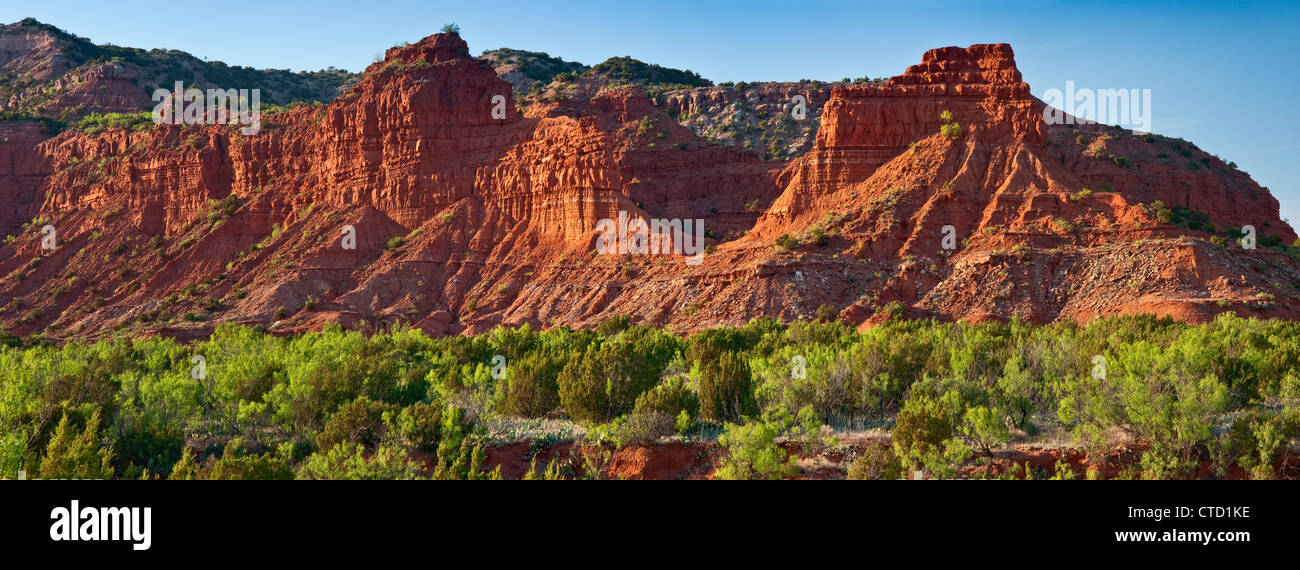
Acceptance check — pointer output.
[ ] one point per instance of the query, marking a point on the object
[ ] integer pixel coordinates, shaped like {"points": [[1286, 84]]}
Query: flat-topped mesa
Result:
{"points": [[980, 85]]}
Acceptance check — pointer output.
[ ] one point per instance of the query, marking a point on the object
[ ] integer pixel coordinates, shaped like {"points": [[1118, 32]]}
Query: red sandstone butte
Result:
{"points": [[464, 222]]}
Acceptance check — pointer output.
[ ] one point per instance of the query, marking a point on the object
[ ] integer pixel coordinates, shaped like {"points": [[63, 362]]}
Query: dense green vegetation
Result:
{"points": [[90, 123], [48, 125], [96, 122], [398, 404], [536, 65], [625, 70], [1197, 220]]}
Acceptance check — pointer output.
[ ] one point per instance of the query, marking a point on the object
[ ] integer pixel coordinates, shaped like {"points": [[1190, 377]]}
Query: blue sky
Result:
{"points": [[1222, 75]]}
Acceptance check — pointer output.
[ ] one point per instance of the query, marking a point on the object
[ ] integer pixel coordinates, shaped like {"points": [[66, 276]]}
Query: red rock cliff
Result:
{"points": [[465, 218]]}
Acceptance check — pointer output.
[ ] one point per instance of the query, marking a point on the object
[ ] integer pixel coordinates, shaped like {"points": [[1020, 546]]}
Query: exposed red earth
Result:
{"points": [[464, 221], [698, 460]]}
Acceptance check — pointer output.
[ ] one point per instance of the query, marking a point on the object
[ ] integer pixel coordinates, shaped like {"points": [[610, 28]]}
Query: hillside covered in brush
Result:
{"points": [[48, 73]]}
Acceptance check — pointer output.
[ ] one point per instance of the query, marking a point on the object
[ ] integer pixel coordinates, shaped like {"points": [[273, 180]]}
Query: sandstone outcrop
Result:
{"points": [[466, 214]]}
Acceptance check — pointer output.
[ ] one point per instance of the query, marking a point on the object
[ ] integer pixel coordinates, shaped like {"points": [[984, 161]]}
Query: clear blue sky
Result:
{"points": [[1222, 75]]}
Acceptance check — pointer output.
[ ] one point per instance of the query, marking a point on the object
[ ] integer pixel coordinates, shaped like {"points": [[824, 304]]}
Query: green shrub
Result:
{"points": [[530, 388], [953, 131], [877, 462], [395, 243], [458, 458], [670, 398], [74, 454], [96, 122], [234, 465], [707, 346], [614, 325], [186, 468], [922, 428], [894, 309], [1164, 461], [827, 313], [348, 461], [605, 382], [752, 453], [360, 421], [155, 446], [949, 127], [1160, 211], [726, 393], [639, 428], [984, 428], [415, 427], [1258, 440]]}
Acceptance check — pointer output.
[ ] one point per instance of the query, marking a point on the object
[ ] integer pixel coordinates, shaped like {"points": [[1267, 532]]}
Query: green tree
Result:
{"points": [[614, 325], [185, 469], [984, 429], [605, 381], [726, 393], [1016, 391], [414, 428], [531, 388], [152, 445], [923, 426], [77, 455], [670, 397], [359, 421]]}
